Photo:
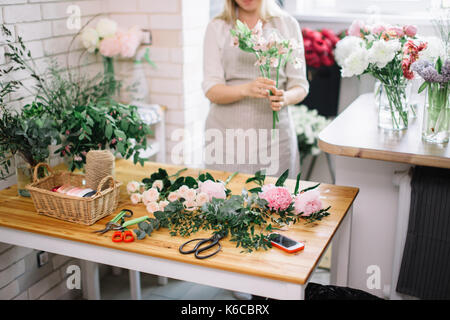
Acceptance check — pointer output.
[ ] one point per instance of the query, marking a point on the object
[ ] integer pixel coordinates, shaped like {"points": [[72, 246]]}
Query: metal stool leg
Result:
{"points": [[311, 167], [330, 167]]}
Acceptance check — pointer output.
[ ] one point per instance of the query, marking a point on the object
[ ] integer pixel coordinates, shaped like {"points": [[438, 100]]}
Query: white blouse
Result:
{"points": [[216, 34]]}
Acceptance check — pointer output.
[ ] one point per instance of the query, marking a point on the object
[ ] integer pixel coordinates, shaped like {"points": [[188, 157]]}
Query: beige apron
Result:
{"points": [[250, 113]]}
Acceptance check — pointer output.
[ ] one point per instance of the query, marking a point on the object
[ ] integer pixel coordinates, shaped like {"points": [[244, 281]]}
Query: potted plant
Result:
{"points": [[80, 108]]}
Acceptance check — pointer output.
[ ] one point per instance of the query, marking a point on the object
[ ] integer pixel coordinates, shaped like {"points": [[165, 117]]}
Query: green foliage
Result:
{"points": [[77, 106], [102, 125]]}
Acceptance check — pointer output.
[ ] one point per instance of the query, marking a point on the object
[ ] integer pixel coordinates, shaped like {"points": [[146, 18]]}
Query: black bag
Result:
{"points": [[316, 291]]}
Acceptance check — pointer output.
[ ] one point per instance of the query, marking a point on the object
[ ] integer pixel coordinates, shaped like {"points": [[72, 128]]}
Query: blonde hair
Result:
{"points": [[268, 10]]}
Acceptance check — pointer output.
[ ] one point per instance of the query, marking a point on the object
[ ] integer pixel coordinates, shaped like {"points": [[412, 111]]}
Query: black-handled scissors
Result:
{"points": [[199, 247]]}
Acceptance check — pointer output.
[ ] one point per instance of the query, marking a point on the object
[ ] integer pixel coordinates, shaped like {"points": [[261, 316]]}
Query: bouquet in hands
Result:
{"points": [[272, 53]]}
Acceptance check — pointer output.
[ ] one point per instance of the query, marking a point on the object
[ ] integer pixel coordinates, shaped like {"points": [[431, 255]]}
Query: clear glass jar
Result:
{"points": [[436, 116], [393, 107], [24, 174]]}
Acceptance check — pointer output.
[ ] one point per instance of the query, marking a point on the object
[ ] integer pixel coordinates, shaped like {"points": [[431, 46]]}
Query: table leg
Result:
{"points": [[135, 285], [340, 252], [90, 280]]}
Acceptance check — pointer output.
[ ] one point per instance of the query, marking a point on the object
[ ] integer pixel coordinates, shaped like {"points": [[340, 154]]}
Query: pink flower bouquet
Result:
{"points": [[272, 53]]}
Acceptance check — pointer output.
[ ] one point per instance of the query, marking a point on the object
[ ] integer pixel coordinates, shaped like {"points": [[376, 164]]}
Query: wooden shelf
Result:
{"points": [[355, 133]]}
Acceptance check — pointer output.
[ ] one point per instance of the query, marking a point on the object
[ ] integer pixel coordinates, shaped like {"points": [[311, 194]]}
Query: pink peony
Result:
{"points": [[136, 198], [182, 191], [278, 198], [307, 203], [191, 194], [410, 30], [190, 205], [130, 41], [213, 189], [355, 28], [110, 47]]}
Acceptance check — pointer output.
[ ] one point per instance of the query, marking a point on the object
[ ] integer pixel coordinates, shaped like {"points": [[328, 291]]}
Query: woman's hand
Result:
{"points": [[258, 88], [277, 100]]}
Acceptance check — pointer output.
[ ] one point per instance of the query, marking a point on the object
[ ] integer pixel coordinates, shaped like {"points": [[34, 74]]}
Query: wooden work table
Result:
{"points": [[18, 213], [354, 133]]}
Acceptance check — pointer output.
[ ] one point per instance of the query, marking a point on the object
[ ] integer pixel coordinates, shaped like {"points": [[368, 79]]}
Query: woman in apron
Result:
{"points": [[238, 126]]}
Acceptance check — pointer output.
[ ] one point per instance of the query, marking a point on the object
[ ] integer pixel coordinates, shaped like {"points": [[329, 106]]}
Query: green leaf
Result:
{"points": [[282, 179], [423, 87], [311, 188], [297, 183], [108, 131]]}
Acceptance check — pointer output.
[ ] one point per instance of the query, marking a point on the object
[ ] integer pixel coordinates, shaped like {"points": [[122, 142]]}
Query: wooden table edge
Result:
{"points": [[372, 154]]}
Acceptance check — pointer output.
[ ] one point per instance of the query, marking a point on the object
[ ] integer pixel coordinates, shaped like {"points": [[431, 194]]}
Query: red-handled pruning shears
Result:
{"points": [[125, 236]]}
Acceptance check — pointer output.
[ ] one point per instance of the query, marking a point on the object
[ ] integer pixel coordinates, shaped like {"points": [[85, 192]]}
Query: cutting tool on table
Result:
{"points": [[200, 247]]}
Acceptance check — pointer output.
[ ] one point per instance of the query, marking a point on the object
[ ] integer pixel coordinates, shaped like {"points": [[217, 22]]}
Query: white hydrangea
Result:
{"points": [[308, 124], [356, 63], [106, 28], [382, 52], [90, 38], [345, 47]]}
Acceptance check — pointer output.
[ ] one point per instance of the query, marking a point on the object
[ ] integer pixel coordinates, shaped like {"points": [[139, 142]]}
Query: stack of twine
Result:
{"points": [[99, 164]]}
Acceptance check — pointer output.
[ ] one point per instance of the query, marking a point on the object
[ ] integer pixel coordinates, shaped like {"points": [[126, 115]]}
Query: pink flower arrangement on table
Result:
{"points": [[109, 41], [157, 196], [305, 204]]}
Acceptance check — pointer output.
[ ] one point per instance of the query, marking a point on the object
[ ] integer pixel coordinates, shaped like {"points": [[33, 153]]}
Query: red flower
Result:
{"points": [[312, 59], [330, 35], [327, 60], [410, 55], [320, 46], [308, 44]]}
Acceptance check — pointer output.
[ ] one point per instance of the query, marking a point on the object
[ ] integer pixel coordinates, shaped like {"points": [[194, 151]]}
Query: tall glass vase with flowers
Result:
{"points": [[386, 52], [272, 52], [108, 40]]}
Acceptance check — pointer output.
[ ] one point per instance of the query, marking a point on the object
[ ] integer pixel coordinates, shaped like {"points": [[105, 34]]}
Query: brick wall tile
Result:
{"points": [[11, 273], [4, 246], [113, 6], [22, 13], [59, 260], [10, 291], [56, 292], [13, 255], [165, 22], [166, 86], [22, 296], [170, 101], [166, 6], [35, 30], [42, 286]]}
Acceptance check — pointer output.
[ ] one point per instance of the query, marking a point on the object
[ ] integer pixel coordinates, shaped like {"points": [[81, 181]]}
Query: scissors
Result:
{"points": [[124, 213], [124, 235], [199, 248]]}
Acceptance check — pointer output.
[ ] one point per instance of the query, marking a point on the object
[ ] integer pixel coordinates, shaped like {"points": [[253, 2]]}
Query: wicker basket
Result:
{"points": [[70, 208]]}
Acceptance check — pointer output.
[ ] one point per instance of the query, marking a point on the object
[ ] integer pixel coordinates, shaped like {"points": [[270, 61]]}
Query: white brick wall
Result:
{"points": [[177, 27]]}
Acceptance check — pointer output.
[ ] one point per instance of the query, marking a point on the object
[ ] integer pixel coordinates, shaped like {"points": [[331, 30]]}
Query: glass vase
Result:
{"points": [[392, 107], [24, 174], [109, 76], [436, 117]]}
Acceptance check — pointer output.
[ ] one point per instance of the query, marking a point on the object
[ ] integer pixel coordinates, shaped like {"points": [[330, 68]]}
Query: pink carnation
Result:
{"points": [[110, 47], [307, 203], [213, 189], [278, 198]]}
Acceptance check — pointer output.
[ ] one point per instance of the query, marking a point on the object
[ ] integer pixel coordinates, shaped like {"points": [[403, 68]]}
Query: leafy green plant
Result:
{"points": [[107, 124]]}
